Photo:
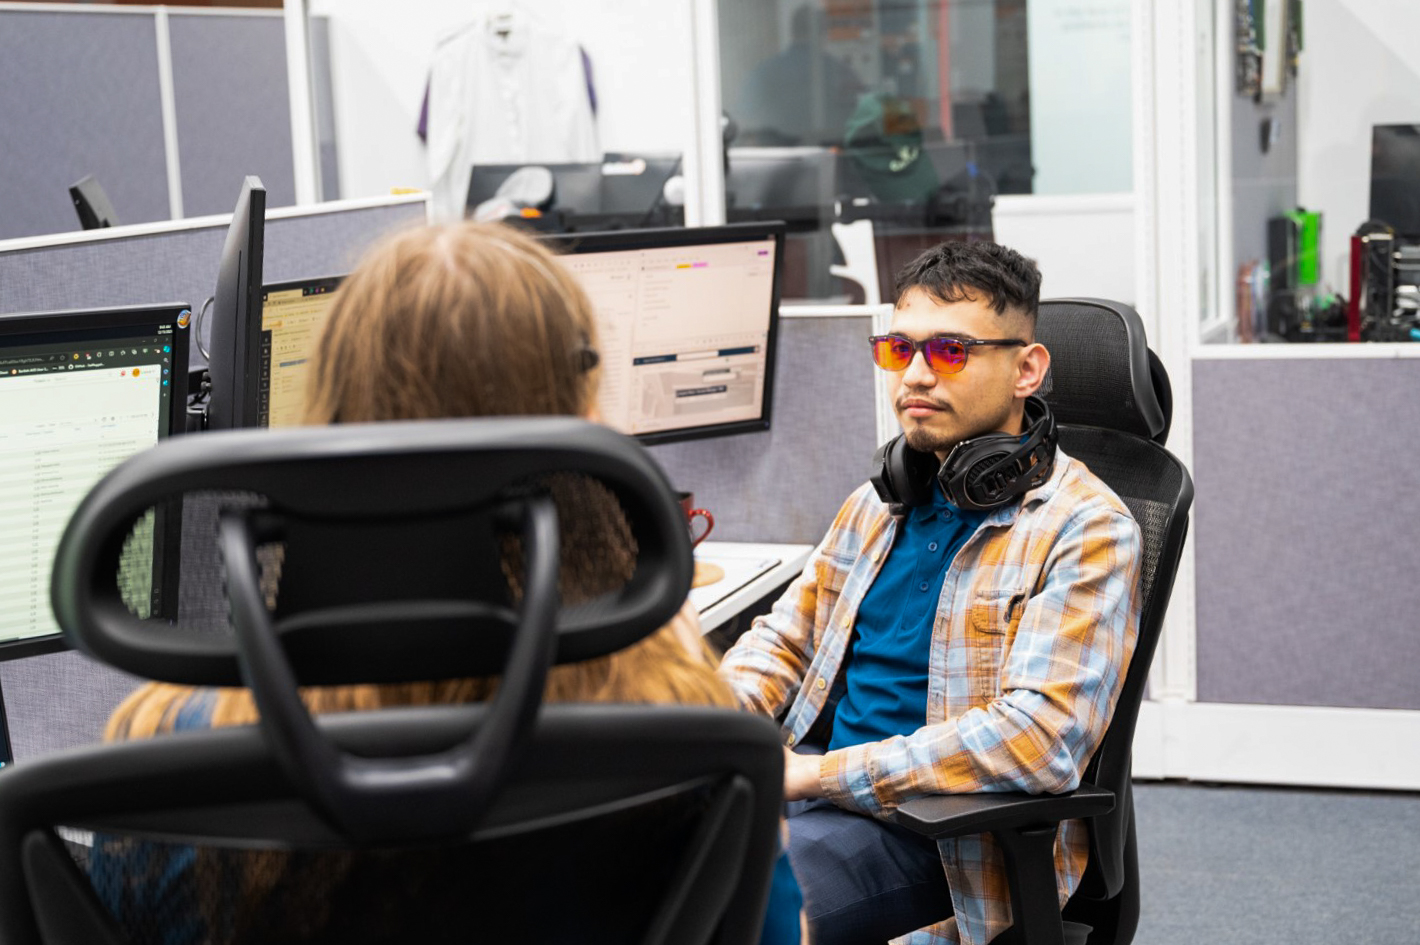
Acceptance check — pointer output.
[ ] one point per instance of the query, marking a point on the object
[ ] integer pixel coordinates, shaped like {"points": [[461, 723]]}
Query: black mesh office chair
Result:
{"points": [[495, 821], [1113, 403]]}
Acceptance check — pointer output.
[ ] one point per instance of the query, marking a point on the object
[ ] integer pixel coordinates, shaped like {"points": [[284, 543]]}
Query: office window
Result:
{"points": [[916, 115], [1319, 158]]}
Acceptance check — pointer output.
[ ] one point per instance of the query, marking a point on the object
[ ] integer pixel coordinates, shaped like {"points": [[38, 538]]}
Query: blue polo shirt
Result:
{"points": [[886, 667]]}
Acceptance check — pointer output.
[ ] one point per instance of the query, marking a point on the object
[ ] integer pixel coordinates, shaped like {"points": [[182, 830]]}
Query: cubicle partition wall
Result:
{"points": [[166, 108], [178, 262], [786, 484], [1308, 598], [63, 699]]}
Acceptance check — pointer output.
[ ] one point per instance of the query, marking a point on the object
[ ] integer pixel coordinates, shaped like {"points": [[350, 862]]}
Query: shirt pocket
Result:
{"points": [[991, 626]]}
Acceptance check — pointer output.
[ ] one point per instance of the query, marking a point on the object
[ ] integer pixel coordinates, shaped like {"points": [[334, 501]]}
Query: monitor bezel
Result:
{"points": [[100, 319], [675, 237]]}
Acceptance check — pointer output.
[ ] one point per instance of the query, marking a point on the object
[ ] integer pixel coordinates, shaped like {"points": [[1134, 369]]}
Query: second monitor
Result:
{"points": [[687, 320], [292, 314]]}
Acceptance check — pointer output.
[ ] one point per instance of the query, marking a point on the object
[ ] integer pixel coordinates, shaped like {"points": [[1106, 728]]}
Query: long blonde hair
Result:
{"points": [[473, 320]]}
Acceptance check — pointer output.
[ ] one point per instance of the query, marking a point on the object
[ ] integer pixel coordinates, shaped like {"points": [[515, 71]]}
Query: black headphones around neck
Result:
{"points": [[980, 474]]}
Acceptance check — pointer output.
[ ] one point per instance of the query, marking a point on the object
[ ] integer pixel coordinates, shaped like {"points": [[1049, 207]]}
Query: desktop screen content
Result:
{"points": [[292, 314], [686, 333], [76, 400]]}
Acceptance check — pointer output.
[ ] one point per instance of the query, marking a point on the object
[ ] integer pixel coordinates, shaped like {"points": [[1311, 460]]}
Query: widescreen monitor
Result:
{"points": [[292, 314], [687, 321], [795, 184], [1395, 178], [236, 319], [80, 392], [622, 191]]}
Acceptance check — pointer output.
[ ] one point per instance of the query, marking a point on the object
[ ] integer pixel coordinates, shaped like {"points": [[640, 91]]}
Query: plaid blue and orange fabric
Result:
{"points": [[1034, 629]]}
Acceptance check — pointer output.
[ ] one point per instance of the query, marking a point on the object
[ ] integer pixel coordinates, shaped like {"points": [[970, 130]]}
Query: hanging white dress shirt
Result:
{"points": [[506, 89]]}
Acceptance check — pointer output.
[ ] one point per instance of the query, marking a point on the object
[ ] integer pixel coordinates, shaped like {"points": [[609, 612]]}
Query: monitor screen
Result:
{"points": [[80, 392], [687, 320], [236, 327], [292, 314], [1395, 177]]}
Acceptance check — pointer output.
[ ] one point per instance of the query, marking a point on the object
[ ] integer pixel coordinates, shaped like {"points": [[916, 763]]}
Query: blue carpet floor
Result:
{"points": [[1265, 866]]}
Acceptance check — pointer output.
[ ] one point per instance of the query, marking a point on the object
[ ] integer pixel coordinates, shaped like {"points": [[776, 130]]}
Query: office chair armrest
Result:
{"points": [[940, 816]]}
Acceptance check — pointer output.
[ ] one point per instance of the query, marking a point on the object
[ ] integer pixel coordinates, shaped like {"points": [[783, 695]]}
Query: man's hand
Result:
{"points": [[801, 776]]}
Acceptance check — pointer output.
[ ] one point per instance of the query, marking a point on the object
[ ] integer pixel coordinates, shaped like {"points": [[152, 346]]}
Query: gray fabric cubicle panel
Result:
{"points": [[233, 109], [1308, 495], [181, 265], [786, 484], [78, 95], [58, 701]]}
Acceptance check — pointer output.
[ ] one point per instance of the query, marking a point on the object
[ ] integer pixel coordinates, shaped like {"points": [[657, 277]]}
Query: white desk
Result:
{"points": [[751, 571]]}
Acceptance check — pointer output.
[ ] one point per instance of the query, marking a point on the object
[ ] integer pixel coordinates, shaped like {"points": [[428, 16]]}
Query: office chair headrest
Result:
{"points": [[1102, 373], [371, 475], [388, 478]]}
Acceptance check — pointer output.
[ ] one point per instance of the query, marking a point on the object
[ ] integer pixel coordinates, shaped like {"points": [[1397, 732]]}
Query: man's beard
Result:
{"points": [[929, 441]]}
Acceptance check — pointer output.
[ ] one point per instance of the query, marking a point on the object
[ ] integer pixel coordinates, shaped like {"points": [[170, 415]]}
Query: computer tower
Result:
{"points": [[1283, 249], [1372, 302]]}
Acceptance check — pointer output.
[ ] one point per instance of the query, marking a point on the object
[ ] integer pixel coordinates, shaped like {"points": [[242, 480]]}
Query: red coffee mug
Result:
{"points": [[687, 505]]}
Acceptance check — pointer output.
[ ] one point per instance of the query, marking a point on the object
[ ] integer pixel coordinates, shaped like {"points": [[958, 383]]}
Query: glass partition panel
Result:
{"points": [[909, 114], [907, 122], [1319, 163]]}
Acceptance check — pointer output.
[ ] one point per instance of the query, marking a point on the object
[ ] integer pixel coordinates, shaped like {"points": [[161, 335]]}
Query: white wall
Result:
{"points": [[380, 55], [1081, 91], [1359, 69]]}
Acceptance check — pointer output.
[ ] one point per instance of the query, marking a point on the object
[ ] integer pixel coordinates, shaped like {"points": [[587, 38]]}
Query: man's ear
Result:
{"points": [[1031, 365]]}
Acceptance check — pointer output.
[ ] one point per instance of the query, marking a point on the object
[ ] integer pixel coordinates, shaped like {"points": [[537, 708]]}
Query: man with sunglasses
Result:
{"points": [[945, 649]]}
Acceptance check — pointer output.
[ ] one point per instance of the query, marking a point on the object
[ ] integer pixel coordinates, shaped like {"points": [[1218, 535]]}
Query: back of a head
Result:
{"points": [[463, 320], [960, 271]]}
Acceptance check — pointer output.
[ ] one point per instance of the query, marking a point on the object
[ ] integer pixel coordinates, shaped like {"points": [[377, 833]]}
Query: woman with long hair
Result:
{"points": [[475, 320]]}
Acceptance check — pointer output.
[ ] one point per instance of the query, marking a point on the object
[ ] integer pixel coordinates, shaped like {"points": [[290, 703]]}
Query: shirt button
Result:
{"points": [[791, 739], [922, 586], [822, 683], [932, 546], [877, 556]]}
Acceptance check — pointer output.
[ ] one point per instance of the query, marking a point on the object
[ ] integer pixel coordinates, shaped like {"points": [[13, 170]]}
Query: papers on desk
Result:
{"points": [[739, 571]]}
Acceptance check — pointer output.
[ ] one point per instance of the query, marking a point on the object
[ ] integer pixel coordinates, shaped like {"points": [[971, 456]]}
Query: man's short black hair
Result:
{"points": [[965, 271]]}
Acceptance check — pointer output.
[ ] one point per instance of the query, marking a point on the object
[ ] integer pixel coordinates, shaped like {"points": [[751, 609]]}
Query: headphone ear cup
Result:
{"points": [[989, 471], [902, 475]]}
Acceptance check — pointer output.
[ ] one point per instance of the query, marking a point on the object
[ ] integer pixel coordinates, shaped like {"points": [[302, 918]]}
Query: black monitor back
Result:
{"points": [[92, 204], [236, 315]]}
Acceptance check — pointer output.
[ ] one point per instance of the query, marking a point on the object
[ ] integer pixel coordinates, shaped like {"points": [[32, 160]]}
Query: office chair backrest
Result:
{"points": [[1112, 400], [1102, 373], [519, 804]]}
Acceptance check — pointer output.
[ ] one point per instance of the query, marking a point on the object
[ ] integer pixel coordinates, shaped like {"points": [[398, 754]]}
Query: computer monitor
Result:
{"points": [[1395, 178], [795, 184], [622, 191], [81, 391], [292, 314], [687, 321], [235, 319], [92, 204]]}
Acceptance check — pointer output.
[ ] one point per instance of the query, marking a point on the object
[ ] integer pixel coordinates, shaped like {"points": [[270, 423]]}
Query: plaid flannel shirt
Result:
{"points": [[1036, 623]]}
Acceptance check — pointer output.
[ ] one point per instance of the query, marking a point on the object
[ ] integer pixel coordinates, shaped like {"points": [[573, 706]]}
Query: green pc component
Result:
{"points": [[1308, 244]]}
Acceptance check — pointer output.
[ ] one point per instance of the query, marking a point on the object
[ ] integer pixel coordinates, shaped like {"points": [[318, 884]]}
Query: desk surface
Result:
{"points": [[751, 571]]}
